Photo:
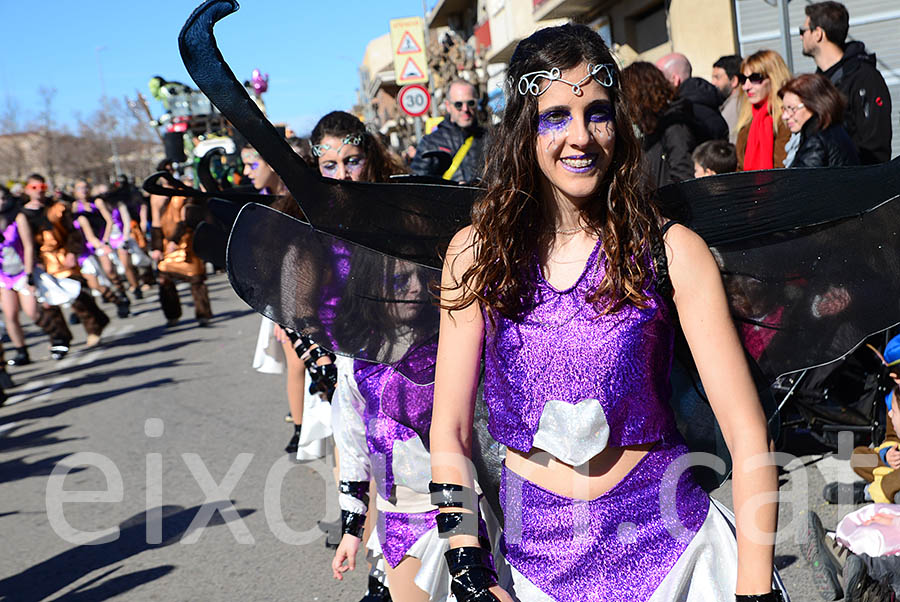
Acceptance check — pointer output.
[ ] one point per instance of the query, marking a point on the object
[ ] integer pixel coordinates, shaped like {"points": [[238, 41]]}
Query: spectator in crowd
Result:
{"points": [[725, 78], [714, 157], [852, 70], [665, 121], [702, 95], [813, 107], [455, 150], [761, 134]]}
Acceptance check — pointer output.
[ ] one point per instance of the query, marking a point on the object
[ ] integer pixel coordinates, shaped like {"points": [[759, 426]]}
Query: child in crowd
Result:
{"points": [[714, 157]]}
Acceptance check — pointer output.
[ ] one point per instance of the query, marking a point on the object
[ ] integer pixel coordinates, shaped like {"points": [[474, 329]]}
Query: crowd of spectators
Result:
{"points": [[840, 115]]}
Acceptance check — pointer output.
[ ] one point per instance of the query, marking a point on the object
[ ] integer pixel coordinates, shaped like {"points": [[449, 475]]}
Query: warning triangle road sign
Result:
{"points": [[411, 71], [408, 45]]}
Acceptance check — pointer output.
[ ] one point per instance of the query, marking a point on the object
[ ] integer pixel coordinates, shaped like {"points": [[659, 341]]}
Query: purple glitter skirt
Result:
{"points": [[398, 531], [619, 546]]}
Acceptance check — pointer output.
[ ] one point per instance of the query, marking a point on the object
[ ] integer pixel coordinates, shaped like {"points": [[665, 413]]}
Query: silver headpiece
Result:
{"points": [[537, 82], [352, 139]]}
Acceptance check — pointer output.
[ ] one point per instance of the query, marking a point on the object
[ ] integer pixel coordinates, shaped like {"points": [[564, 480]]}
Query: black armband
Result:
{"points": [[352, 523], [356, 489], [156, 238], [472, 574], [456, 523], [450, 495], [30, 280], [772, 596], [315, 354]]}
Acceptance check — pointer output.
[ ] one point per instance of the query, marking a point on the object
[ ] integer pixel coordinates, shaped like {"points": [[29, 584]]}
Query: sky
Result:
{"points": [[310, 49]]}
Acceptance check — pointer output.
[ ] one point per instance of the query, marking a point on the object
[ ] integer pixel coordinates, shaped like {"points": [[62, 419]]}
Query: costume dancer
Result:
{"points": [[58, 245], [557, 283], [117, 234], [94, 261], [172, 224]]}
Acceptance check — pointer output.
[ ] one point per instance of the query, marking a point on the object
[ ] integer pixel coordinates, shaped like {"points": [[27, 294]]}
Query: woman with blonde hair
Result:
{"points": [[761, 135]]}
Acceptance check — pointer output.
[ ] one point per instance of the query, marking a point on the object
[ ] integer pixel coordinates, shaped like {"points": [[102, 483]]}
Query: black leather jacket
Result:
{"points": [[830, 147], [435, 152]]}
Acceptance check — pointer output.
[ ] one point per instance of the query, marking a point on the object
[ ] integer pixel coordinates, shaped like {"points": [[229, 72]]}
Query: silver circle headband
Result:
{"points": [[537, 82], [351, 139]]}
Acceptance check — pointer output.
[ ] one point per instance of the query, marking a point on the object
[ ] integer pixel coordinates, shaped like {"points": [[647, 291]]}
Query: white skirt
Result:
{"points": [[268, 357], [50, 290]]}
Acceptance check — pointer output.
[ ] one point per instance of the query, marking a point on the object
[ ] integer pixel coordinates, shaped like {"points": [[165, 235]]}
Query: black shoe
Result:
{"points": [[58, 352], [825, 556], [377, 592], [73, 319], [860, 586], [138, 293], [20, 358], [835, 492], [292, 444], [6, 381], [123, 308], [203, 322]]}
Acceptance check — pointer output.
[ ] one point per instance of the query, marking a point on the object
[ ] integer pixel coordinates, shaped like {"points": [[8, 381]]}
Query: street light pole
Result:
{"points": [[112, 137]]}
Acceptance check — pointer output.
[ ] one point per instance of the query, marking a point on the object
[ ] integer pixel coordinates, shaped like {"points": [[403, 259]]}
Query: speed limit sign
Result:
{"points": [[414, 100]]}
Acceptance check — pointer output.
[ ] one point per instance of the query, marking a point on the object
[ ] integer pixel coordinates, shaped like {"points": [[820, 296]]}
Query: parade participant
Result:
{"points": [[17, 274], [58, 245], [172, 226], [344, 150], [94, 260], [557, 286], [117, 234]]}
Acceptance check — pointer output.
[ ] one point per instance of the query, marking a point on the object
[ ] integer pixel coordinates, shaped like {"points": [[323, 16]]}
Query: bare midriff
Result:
{"points": [[586, 482]]}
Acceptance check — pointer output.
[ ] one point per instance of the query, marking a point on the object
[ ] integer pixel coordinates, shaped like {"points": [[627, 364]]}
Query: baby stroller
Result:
{"points": [[843, 396]]}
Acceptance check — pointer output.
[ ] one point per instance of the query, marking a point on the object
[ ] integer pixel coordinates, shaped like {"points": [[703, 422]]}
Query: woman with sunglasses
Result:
{"points": [[813, 108], [761, 135]]}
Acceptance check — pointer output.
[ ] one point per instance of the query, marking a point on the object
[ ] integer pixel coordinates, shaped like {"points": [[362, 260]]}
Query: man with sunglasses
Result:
{"points": [[455, 149], [852, 70]]}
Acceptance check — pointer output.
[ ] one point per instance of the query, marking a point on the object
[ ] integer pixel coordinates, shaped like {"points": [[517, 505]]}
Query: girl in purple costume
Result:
{"points": [[16, 271], [555, 283], [116, 235]]}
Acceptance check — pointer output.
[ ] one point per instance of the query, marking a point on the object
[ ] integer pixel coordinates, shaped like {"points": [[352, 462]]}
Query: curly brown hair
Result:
{"points": [[510, 220], [649, 92], [381, 163]]}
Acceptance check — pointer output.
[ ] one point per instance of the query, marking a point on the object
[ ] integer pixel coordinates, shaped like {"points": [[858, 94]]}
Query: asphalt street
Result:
{"points": [[181, 443]]}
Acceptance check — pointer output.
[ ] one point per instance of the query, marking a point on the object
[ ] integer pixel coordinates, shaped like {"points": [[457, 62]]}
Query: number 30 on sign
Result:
{"points": [[414, 100]]}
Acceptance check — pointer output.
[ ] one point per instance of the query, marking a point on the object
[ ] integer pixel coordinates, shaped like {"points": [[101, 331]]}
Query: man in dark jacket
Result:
{"points": [[852, 70], [703, 96], [455, 149]]}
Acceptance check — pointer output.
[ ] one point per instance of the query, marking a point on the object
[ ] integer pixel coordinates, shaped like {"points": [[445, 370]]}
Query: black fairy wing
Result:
{"points": [[354, 301], [410, 220], [348, 298]]}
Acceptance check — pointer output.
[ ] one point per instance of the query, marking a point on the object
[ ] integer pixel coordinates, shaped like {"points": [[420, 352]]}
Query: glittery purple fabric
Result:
{"points": [[378, 383], [397, 532], [563, 350], [406, 402], [11, 239], [615, 548], [116, 241]]}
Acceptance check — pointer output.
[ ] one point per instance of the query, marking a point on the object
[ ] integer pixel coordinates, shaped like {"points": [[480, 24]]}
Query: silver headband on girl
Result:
{"points": [[537, 82], [351, 139]]}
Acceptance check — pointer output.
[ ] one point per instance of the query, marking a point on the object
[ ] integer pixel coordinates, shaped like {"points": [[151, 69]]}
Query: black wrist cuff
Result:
{"points": [[472, 574], [315, 354], [29, 279], [772, 596], [156, 238], [352, 523], [323, 379], [356, 489]]}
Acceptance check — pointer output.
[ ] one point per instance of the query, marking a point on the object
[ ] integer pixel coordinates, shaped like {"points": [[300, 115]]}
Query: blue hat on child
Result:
{"points": [[892, 357]]}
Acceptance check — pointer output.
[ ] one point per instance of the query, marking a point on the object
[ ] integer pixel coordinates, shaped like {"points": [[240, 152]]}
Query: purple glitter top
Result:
{"points": [[563, 350], [9, 246], [376, 382]]}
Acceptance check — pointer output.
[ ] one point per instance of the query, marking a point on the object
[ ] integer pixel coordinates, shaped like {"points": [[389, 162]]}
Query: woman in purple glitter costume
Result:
{"points": [[560, 285]]}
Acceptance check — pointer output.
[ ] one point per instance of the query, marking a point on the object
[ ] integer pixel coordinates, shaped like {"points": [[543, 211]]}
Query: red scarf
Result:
{"points": [[761, 140]]}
